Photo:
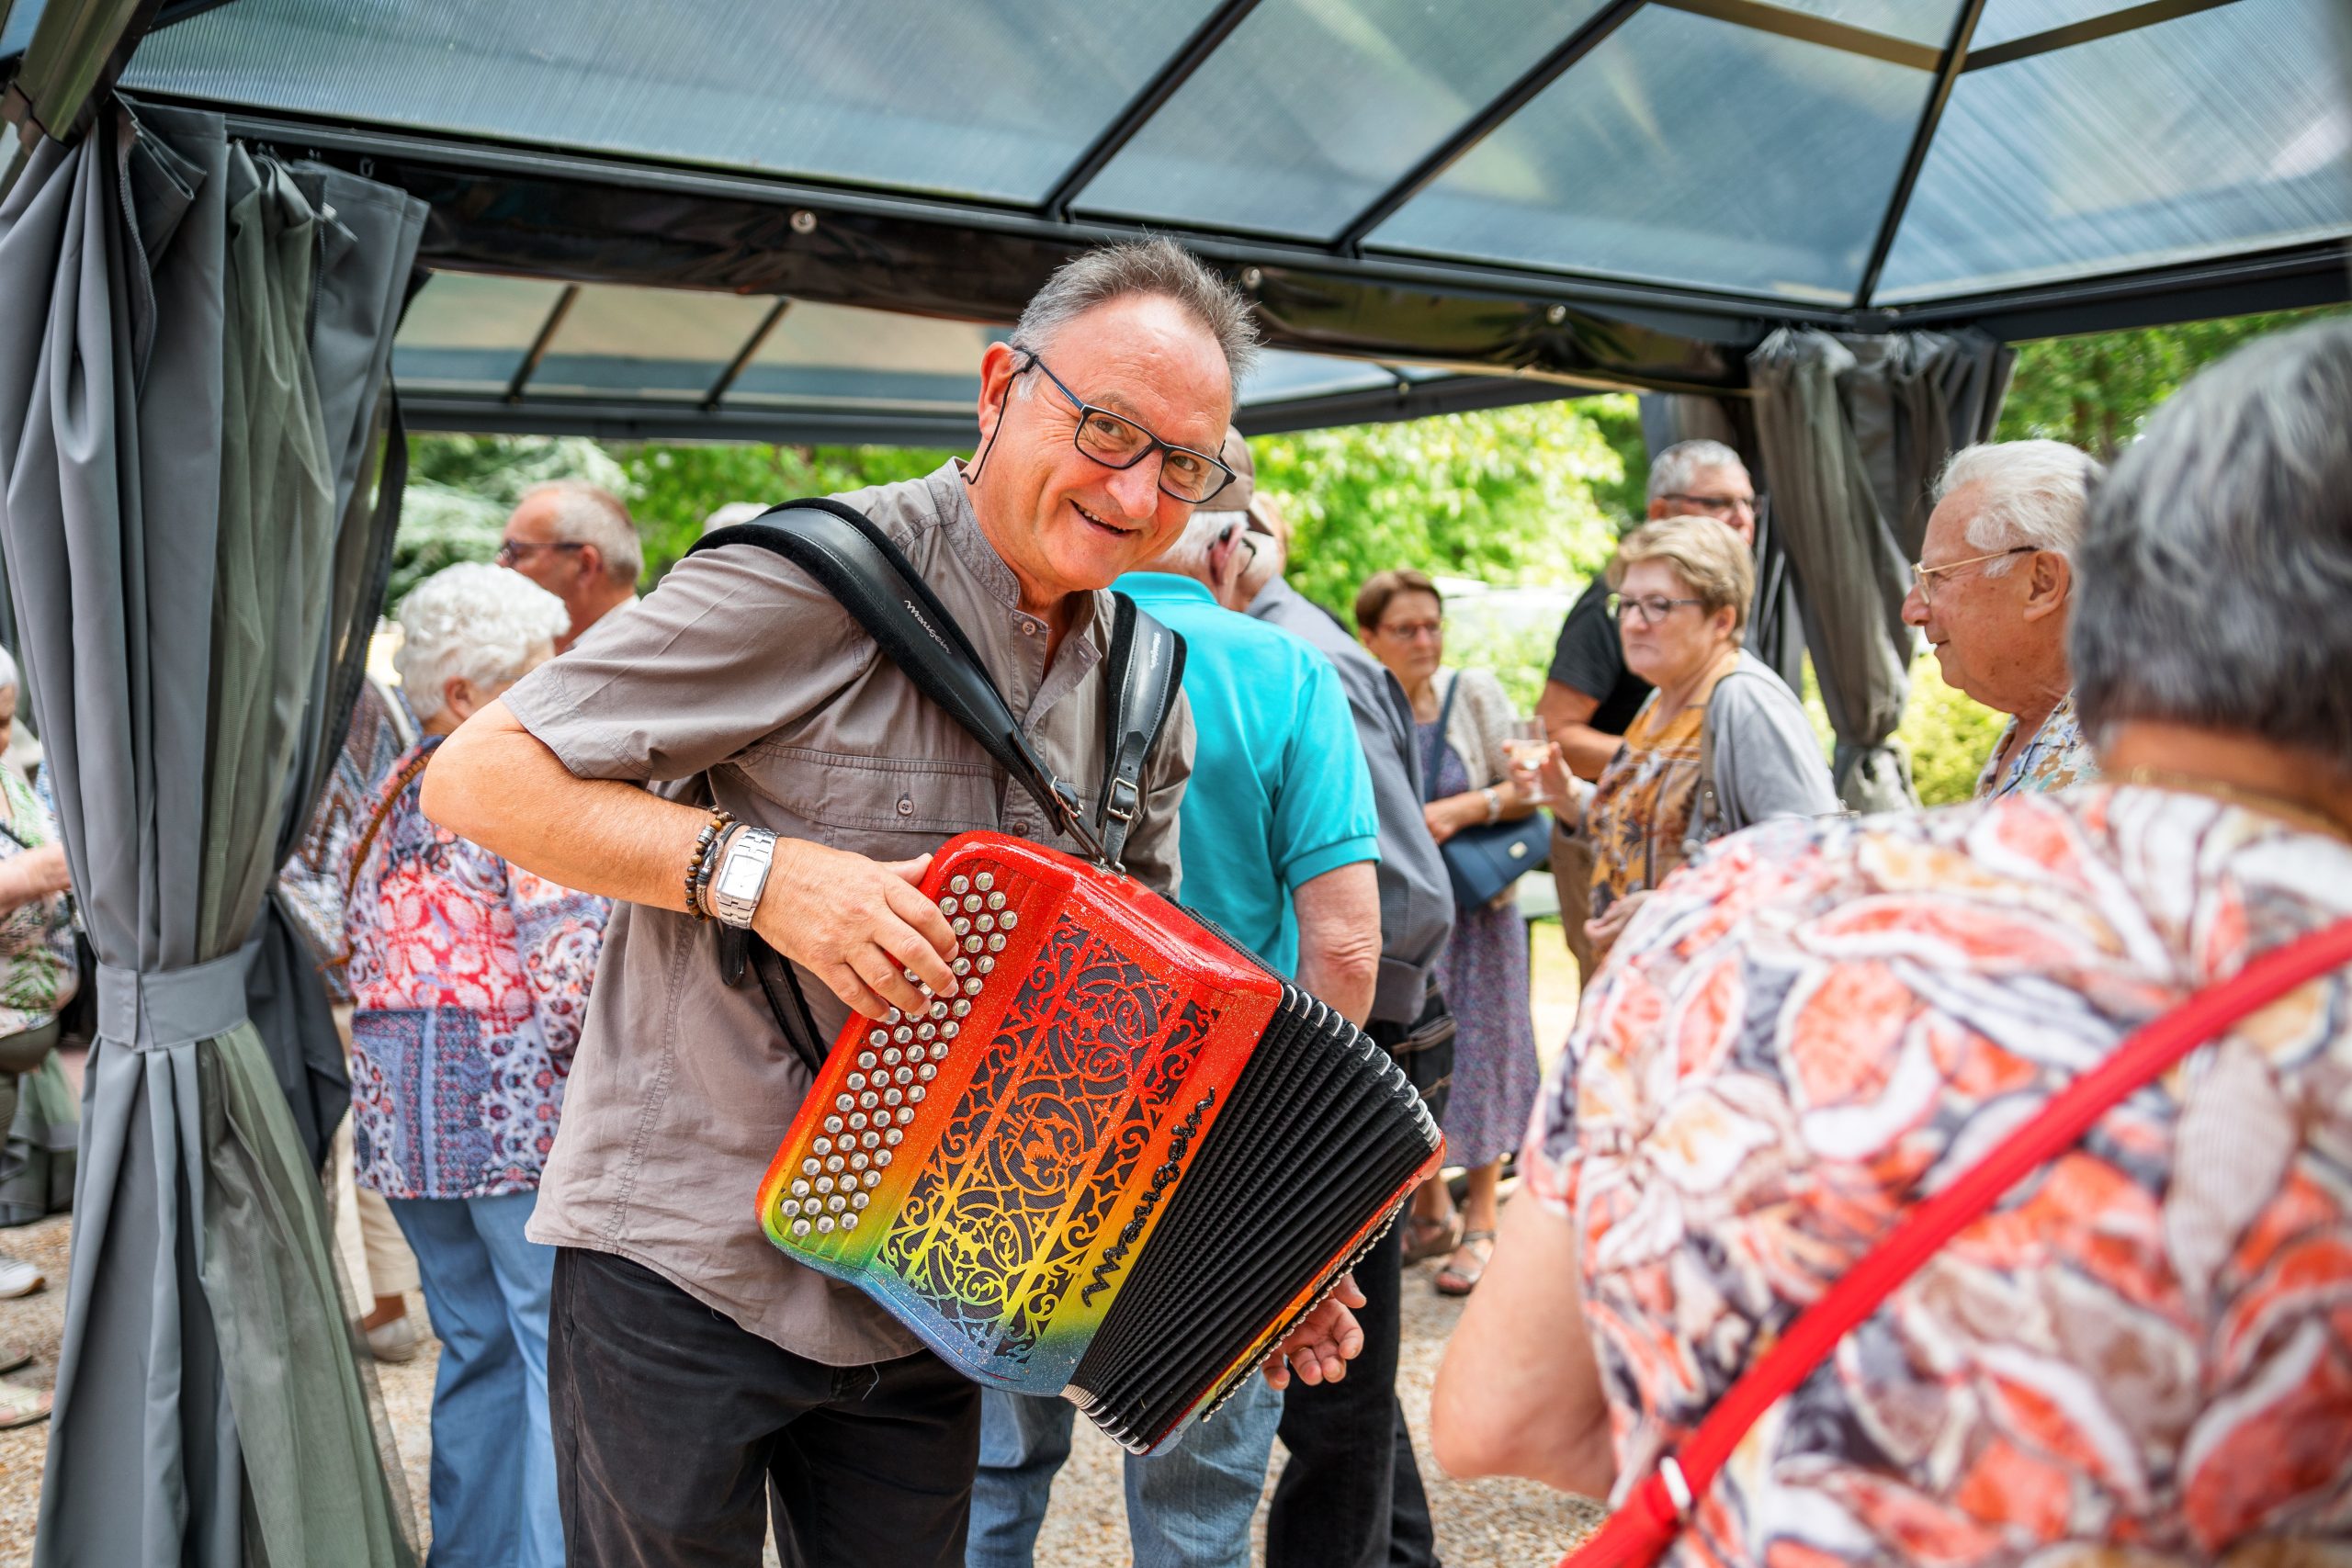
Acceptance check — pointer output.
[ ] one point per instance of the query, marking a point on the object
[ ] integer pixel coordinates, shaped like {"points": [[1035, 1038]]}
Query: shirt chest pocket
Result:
{"points": [[865, 804]]}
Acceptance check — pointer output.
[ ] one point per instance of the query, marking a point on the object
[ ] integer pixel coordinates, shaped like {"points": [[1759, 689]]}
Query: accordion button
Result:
{"points": [[799, 1187], [835, 1163], [972, 904], [902, 1077], [883, 1158], [849, 1221], [960, 1007], [996, 900], [868, 1101], [866, 1058], [972, 986], [844, 1103], [824, 1184], [926, 1031], [961, 925], [972, 944], [985, 881], [869, 1139], [939, 1052], [947, 906], [926, 1072], [824, 1225], [902, 1035], [854, 1082], [1007, 921], [891, 1097], [836, 1203], [893, 1016], [823, 1145], [962, 965], [832, 1124], [879, 1037], [996, 942], [859, 1199], [874, 1177], [788, 1208], [939, 1009], [800, 1227], [986, 964], [811, 1166], [959, 884], [914, 1095], [856, 1163], [984, 922], [905, 1114]]}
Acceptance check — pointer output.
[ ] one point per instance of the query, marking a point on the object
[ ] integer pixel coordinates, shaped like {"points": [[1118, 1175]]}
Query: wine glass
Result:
{"points": [[1527, 748]]}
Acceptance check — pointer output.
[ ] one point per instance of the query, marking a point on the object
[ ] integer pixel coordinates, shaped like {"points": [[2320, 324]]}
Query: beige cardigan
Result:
{"points": [[1482, 715]]}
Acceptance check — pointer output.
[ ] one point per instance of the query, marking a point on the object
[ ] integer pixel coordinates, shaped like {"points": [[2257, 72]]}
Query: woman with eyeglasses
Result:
{"points": [[1720, 743], [1462, 718]]}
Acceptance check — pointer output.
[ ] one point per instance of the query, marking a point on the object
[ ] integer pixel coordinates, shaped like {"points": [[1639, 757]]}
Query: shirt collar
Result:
{"points": [[1163, 587], [952, 500]]}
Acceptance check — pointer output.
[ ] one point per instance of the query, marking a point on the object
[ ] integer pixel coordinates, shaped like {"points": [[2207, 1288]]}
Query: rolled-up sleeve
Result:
{"points": [[1324, 815], [694, 673]]}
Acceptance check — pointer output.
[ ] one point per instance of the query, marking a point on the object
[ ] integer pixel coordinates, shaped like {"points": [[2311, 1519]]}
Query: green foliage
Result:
{"points": [[1949, 733], [1505, 496], [1515, 646], [673, 488], [2094, 391]]}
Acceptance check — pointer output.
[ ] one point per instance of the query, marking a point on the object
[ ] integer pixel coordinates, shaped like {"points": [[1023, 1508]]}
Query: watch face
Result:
{"points": [[740, 877]]}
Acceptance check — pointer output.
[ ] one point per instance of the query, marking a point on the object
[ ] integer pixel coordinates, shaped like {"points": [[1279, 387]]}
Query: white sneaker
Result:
{"points": [[395, 1341], [18, 1277]]}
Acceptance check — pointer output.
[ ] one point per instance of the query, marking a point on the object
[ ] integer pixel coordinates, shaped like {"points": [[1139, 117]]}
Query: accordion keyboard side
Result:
{"points": [[988, 1172]]}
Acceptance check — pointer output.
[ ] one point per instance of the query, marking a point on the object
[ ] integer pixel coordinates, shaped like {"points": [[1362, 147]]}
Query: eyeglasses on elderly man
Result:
{"points": [[1117, 442]]}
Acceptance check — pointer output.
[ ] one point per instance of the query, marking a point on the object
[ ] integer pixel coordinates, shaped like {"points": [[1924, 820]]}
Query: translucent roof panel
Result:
{"points": [[468, 331], [983, 97], [661, 343], [2006, 20], [1921, 21], [839, 354], [1313, 107], [1283, 374], [2218, 132], [1685, 150], [16, 33]]}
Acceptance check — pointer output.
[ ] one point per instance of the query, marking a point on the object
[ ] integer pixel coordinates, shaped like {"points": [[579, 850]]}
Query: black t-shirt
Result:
{"points": [[1589, 660]]}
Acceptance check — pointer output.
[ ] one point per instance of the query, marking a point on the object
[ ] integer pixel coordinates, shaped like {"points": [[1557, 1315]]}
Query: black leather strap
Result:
{"points": [[857, 564], [1139, 684]]}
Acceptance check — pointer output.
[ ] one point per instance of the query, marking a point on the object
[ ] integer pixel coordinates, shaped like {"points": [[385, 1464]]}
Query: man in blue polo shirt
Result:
{"points": [[1279, 841]]}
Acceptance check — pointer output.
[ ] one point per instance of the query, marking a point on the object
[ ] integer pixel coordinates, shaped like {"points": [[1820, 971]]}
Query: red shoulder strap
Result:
{"points": [[1641, 1530]]}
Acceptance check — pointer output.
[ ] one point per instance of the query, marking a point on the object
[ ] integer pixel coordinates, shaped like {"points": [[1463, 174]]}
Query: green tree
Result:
{"points": [[1517, 495], [2094, 391], [672, 489]]}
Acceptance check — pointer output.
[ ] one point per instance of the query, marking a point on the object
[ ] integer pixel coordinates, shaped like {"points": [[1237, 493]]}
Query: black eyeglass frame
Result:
{"points": [[1087, 411]]}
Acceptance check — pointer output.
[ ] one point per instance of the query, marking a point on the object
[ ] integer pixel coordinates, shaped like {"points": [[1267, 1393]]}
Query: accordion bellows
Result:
{"points": [[1120, 1166]]}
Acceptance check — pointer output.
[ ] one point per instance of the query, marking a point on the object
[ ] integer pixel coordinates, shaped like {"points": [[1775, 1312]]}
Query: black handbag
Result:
{"points": [[1482, 861]]}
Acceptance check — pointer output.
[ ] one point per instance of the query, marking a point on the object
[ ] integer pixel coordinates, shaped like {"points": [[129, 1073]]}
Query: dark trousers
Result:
{"points": [[1350, 1495], [672, 1423]]}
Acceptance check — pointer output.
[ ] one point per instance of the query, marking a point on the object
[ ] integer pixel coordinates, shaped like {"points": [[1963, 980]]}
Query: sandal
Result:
{"points": [[13, 1356], [21, 1406], [1453, 1279], [1426, 1237]]}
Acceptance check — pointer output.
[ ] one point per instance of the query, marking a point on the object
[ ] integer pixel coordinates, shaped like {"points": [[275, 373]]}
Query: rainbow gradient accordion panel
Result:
{"points": [[1120, 1166]]}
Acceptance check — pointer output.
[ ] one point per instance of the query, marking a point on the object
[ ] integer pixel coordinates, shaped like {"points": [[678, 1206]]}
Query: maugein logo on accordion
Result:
{"points": [[1114, 1094]]}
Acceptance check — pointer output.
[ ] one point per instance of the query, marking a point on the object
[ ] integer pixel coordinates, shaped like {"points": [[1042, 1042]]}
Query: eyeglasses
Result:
{"points": [[1713, 503], [1923, 577], [1117, 442], [512, 550], [1650, 609], [1411, 631]]}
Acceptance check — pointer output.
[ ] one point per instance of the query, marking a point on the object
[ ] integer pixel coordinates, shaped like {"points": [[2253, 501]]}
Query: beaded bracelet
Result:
{"points": [[720, 821]]}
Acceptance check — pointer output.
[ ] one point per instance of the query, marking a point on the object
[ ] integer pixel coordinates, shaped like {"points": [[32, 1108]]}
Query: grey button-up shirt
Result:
{"points": [[1415, 898], [740, 678]]}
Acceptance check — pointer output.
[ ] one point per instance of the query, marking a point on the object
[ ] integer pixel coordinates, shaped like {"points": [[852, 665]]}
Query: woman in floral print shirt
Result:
{"points": [[2144, 1352], [470, 978]]}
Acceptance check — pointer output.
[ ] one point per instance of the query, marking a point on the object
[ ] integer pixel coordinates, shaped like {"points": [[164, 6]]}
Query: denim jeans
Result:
{"points": [[1189, 1508], [493, 1460]]}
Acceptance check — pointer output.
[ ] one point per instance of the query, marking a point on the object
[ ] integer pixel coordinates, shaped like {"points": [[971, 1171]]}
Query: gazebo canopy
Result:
{"points": [[799, 217]]}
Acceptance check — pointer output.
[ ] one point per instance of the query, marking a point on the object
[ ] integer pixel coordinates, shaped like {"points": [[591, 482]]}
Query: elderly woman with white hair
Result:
{"points": [[469, 977], [1994, 583]]}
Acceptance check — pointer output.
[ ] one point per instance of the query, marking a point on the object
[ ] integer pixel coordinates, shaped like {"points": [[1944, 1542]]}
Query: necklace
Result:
{"points": [[2259, 800]]}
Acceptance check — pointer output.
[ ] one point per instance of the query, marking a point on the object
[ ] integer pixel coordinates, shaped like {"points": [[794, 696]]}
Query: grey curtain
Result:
{"points": [[1853, 430], [173, 458]]}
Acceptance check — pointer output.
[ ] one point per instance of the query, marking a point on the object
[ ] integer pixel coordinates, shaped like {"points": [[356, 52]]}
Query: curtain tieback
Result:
{"points": [[154, 1012]]}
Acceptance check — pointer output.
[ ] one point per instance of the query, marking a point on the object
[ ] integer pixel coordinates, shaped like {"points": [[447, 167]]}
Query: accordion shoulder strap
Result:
{"points": [[1139, 684]]}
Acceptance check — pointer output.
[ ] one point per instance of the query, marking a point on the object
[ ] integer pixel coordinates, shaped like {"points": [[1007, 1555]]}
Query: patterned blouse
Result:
{"points": [[311, 884], [2057, 757], [1640, 811], [2148, 1346], [472, 978], [37, 972]]}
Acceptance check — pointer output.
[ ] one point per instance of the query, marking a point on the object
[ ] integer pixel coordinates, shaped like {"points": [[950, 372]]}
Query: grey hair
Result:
{"points": [[1188, 556], [472, 622], [590, 514], [1156, 267], [1673, 470], [2218, 556], [2035, 493]]}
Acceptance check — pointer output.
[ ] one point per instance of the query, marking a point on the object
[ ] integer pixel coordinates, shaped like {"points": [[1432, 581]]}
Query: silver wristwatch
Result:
{"points": [[734, 892]]}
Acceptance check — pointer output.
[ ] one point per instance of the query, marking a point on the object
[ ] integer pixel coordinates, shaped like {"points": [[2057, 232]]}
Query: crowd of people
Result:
{"points": [[1793, 1023]]}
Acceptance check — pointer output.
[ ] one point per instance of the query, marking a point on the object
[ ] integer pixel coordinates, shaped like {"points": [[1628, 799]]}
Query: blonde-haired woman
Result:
{"points": [[1683, 585], [1462, 717]]}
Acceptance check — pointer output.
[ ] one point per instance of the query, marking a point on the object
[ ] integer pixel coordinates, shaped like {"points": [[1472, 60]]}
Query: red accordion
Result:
{"points": [[1121, 1165]]}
